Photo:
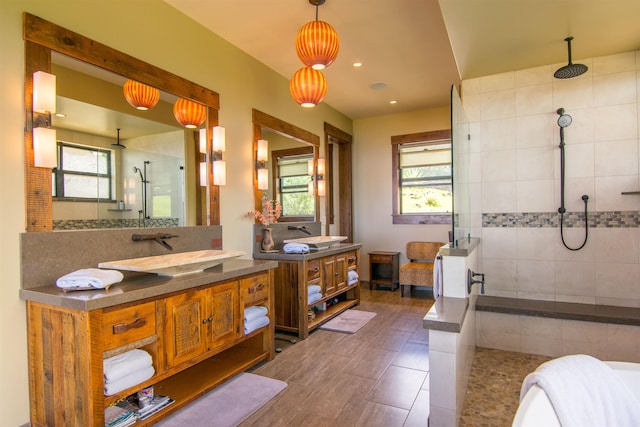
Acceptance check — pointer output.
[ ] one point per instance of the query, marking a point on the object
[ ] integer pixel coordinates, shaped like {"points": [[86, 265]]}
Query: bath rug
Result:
{"points": [[229, 404], [348, 322]]}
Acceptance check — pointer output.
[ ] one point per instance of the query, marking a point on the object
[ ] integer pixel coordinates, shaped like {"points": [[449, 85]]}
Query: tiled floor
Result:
{"points": [[380, 375]]}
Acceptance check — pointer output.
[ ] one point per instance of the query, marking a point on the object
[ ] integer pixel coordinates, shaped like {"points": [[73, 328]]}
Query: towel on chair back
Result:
{"points": [[585, 392]]}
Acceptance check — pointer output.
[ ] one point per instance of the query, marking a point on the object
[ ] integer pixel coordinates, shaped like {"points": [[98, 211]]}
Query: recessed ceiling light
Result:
{"points": [[61, 115], [357, 64], [393, 101], [378, 86]]}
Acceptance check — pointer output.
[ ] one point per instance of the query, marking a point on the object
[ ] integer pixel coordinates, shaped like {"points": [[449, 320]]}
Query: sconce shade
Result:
{"points": [[263, 150], [139, 95], [44, 92], [203, 174], [308, 87], [317, 44], [202, 143], [321, 187], [311, 190], [219, 172], [263, 179], [188, 113], [310, 167], [320, 167], [218, 138], [44, 148]]}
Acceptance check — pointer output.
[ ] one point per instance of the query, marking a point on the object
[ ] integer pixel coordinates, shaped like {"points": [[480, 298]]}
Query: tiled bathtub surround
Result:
{"points": [[514, 179]]}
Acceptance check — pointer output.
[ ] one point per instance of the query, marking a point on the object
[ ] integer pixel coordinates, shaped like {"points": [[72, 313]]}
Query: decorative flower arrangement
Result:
{"points": [[271, 211]]}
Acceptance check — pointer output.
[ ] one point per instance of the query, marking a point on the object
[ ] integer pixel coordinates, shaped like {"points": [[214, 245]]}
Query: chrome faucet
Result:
{"points": [[302, 228], [158, 237]]}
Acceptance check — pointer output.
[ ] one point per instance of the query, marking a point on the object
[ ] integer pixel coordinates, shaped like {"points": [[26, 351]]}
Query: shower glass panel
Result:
{"points": [[460, 162]]}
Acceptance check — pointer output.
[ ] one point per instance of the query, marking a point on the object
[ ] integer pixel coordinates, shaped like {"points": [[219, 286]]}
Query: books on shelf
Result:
{"points": [[130, 405], [115, 416]]}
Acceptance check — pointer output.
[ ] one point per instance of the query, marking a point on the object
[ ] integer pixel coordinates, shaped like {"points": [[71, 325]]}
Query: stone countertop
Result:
{"points": [[446, 314], [332, 250], [140, 286]]}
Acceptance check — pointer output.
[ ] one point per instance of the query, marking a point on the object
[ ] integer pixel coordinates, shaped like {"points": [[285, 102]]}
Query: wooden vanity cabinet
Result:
{"points": [[330, 272], [195, 338]]}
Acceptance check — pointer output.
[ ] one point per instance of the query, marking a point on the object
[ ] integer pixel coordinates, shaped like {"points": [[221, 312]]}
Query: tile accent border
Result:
{"points": [[604, 219], [91, 224]]}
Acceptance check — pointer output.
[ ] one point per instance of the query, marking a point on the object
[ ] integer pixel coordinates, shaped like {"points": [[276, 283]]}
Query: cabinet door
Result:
{"points": [[223, 321], [328, 275], [185, 327], [340, 273]]}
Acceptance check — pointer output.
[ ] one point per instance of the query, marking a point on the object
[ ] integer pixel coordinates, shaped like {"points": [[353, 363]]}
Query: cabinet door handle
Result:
{"points": [[254, 289], [315, 270], [260, 286], [208, 319], [121, 328]]}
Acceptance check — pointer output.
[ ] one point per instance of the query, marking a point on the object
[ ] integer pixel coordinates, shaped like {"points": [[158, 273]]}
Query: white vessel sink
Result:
{"points": [[318, 242], [174, 264]]}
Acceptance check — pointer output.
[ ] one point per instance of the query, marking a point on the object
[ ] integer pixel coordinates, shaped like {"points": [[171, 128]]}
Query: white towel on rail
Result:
{"points": [[88, 278], [437, 277], [124, 364], [130, 380]]}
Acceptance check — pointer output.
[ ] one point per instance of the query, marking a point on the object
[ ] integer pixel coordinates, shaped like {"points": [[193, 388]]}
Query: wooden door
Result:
{"points": [[185, 325], [223, 320]]}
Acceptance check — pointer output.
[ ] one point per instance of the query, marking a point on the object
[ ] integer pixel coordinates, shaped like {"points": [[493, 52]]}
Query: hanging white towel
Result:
{"points": [[118, 367], [128, 381], [585, 392], [88, 278], [255, 324], [254, 312], [437, 277]]}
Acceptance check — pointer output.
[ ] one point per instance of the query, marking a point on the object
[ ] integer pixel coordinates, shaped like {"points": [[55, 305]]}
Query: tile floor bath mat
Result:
{"points": [[348, 322], [229, 404]]}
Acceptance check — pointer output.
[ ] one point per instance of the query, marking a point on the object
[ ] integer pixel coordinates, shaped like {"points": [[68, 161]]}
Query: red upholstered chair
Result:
{"points": [[419, 270]]}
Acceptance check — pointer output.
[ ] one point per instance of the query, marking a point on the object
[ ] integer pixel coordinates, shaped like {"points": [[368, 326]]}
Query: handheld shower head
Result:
{"points": [[137, 170]]}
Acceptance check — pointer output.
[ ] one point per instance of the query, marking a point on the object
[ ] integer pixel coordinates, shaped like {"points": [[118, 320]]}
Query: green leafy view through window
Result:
{"points": [[82, 173], [425, 178], [296, 200]]}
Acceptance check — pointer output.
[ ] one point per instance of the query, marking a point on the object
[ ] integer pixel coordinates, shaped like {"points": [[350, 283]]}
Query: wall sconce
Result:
{"points": [[219, 165], [261, 164], [44, 103], [317, 174]]}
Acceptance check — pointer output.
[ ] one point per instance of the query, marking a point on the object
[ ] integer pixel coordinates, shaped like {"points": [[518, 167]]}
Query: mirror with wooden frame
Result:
{"points": [[42, 39], [293, 148]]}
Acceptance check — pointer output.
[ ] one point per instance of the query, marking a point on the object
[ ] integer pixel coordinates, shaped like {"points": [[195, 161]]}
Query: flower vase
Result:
{"points": [[267, 240]]}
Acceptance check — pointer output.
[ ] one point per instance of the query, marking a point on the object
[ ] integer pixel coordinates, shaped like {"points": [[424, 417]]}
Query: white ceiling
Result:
{"points": [[414, 48]]}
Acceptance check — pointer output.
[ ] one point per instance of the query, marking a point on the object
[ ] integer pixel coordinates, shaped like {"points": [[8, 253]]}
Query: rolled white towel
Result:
{"points": [[122, 365], [311, 298], [314, 289], [255, 324], [352, 275], [254, 312], [128, 381], [88, 278]]}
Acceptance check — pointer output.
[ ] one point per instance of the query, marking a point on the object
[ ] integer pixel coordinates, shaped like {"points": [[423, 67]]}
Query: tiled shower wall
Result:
{"points": [[515, 181]]}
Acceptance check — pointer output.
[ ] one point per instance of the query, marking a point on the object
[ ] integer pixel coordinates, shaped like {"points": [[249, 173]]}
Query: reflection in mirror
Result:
{"points": [[117, 166], [42, 39], [290, 148]]}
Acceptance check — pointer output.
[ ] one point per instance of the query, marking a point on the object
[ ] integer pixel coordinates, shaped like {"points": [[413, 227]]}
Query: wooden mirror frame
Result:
{"points": [[41, 37], [263, 120]]}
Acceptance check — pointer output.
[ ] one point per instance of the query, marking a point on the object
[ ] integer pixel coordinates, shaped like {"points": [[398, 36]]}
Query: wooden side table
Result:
{"points": [[384, 269]]}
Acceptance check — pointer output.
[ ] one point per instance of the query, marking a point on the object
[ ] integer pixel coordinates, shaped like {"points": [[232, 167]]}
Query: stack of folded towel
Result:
{"points": [[126, 370], [255, 317], [314, 294], [352, 277], [89, 278]]}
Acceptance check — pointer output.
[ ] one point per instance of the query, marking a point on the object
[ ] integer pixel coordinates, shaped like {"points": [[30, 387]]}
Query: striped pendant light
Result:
{"points": [[139, 95], [317, 44], [188, 113], [308, 87]]}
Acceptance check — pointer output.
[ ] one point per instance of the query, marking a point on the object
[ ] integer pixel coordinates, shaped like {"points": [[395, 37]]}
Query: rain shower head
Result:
{"points": [[570, 70], [118, 145]]}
